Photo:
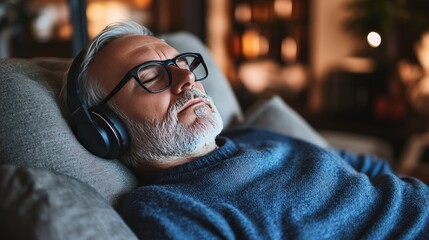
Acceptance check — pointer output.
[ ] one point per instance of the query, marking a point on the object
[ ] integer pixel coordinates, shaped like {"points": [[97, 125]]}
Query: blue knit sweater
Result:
{"points": [[260, 185]]}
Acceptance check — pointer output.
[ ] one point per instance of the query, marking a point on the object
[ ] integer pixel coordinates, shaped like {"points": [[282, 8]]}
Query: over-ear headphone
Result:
{"points": [[97, 128]]}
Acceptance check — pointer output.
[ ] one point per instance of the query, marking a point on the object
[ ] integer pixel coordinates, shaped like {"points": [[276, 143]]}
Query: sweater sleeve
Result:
{"points": [[370, 165], [168, 215]]}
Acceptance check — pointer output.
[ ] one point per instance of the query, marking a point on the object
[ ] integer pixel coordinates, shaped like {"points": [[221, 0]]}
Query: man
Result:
{"points": [[245, 184]]}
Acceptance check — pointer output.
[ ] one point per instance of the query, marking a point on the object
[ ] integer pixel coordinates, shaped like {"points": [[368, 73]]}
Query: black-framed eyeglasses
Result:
{"points": [[155, 76]]}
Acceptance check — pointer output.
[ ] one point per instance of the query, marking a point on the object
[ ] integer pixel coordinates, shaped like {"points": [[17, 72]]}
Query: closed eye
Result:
{"points": [[150, 82]]}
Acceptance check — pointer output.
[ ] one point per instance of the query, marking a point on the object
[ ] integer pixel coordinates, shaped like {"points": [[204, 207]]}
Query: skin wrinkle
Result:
{"points": [[161, 55]]}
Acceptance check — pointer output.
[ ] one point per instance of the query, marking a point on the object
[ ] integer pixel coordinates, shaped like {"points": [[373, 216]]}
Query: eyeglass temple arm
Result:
{"points": [[194, 64], [115, 90]]}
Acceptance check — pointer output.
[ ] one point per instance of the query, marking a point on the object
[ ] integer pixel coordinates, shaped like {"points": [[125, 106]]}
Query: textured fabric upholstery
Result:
{"points": [[273, 114], [40, 204], [35, 134]]}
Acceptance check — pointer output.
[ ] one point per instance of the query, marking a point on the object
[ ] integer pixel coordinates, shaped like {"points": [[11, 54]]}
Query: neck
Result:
{"points": [[151, 169]]}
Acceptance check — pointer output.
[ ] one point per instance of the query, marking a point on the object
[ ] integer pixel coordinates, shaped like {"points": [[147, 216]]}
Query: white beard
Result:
{"points": [[165, 141]]}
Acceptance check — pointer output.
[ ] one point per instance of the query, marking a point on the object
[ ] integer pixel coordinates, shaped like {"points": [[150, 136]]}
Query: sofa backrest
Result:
{"points": [[36, 135]]}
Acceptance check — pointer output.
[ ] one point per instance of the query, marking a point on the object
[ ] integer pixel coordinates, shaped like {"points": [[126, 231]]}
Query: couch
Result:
{"points": [[51, 187]]}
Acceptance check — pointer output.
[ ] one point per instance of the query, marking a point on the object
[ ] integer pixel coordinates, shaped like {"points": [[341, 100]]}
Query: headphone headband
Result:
{"points": [[74, 100], [98, 129]]}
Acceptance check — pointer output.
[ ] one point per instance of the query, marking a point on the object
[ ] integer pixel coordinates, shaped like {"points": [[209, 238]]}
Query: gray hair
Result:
{"points": [[91, 91]]}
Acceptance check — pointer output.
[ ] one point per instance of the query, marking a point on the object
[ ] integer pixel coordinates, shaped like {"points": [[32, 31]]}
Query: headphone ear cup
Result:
{"points": [[93, 138], [112, 130]]}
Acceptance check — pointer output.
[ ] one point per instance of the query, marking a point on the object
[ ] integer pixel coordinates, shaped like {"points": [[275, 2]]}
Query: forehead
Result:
{"points": [[122, 54]]}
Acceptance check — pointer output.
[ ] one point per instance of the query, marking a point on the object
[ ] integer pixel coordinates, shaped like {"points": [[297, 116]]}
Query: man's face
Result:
{"points": [[121, 55], [171, 124]]}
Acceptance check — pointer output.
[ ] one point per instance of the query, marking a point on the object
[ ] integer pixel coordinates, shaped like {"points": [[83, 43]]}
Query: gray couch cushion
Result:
{"points": [[39, 204], [273, 114], [35, 134], [216, 84]]}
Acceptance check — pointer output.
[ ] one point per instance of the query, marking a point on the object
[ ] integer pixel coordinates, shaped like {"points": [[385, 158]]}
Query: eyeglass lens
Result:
{"points": [[155, 77], [194, 65]]}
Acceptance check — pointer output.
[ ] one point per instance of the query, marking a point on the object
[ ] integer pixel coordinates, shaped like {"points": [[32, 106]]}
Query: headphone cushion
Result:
{"points": [[109, 124]]}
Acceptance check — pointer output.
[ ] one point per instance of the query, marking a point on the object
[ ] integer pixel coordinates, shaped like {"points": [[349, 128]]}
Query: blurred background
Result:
{"points": [[355, 66]]}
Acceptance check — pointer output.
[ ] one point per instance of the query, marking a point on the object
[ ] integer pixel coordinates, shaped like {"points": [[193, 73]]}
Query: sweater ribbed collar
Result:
{"points": [[227, 149]]}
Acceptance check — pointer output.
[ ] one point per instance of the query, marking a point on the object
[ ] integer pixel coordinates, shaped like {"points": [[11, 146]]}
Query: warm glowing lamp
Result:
{"points": [[253, 44], [374, 39], [243, 13], [103, 13], [283, 8], [289, 49], [142, 3]]}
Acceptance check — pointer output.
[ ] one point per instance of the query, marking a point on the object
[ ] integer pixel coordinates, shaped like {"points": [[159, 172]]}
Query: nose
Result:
{"points": [[182, 79]]}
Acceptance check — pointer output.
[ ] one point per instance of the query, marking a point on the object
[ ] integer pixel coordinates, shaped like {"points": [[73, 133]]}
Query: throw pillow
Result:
{"points": [[273, 114], [39, 204]]}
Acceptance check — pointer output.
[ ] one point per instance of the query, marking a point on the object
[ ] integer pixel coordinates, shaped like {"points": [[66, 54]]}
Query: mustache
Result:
{"points": [[186, 96]]}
